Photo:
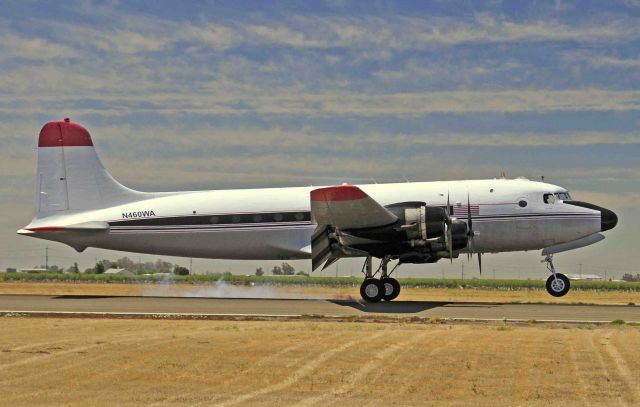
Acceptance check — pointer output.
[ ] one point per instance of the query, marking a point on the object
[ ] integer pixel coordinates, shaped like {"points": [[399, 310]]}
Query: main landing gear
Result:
{"points": [[373, 289], [557, 284]]}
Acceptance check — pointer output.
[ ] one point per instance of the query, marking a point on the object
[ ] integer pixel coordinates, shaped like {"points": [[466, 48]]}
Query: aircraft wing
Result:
{"points": [[348, 207], [344, 207]]}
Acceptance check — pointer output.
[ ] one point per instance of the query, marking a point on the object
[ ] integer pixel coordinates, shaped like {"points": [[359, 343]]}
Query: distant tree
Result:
{"points": [[126, 263], [162, 266], [180, 271], [276, 271], [73, 269], [259, 271], [302, 273], [630, 277], [288, 269], [106, 264], [99, 268]]}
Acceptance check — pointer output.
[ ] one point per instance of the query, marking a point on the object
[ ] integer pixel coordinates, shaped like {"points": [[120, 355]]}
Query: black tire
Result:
{"points": [[391, 288], [372, 290], [559, 288]]}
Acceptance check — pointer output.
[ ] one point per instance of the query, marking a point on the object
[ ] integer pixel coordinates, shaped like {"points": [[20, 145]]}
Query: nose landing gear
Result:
{"points": [[373, 289], [557, 284]]}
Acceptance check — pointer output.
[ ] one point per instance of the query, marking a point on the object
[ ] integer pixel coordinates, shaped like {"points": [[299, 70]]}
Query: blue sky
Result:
{"points": [[222, 94]]}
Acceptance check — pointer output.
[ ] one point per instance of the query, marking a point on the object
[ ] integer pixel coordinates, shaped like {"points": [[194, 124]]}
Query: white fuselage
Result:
{"points": [[275, 223]]}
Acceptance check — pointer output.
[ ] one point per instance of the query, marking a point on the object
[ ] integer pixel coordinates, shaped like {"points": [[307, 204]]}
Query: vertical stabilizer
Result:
{"points": [[70, 176]]}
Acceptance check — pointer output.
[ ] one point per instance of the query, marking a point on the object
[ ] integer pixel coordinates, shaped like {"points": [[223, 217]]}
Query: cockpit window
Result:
{"points": [[563, 196], [549, 198]]}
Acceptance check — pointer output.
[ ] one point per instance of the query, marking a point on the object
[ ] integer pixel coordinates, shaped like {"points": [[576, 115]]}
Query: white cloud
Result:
{"points": [[34, 48], [283, 35], [210, 35], [616, 62]]}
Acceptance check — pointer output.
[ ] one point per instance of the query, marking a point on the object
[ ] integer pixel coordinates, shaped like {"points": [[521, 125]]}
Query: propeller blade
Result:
{"points": [[469, 215], [470, 222], [450, 243], [448, 226]]}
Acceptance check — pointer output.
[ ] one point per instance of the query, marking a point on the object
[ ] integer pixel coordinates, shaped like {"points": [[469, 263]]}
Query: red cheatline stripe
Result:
{"points": [[64, 134], [338, 193], [46, 229]]}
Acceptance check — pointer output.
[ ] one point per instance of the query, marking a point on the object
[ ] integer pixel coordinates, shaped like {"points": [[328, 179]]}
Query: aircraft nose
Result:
{"points": [[608, 219]]}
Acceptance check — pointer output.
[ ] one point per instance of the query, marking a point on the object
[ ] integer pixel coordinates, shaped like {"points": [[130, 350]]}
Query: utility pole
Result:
{"points": [[462, 267], [46, 258], [191, 265], [337, 268]]}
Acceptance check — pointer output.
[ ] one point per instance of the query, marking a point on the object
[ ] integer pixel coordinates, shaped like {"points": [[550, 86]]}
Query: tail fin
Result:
{"points": [[70, 175]]}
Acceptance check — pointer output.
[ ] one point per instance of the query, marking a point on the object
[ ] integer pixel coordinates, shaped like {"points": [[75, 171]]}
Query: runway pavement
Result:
{"points": [[228, 307]]}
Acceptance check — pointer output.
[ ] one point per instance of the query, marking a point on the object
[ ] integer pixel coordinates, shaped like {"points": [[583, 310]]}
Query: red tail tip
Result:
{"points": [[64, 134]]}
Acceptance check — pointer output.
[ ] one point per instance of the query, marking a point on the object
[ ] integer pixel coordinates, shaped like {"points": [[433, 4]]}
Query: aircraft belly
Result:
{"points": [[275, 244], [530, 234]]}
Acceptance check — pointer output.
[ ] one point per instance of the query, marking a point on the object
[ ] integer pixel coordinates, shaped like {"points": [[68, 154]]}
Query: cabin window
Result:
{"points": [[257, 218], [522, 203], [278, 217], [549, 198], [214, 219]]}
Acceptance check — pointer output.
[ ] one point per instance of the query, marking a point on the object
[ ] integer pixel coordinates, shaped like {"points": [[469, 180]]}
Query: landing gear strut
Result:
{"points": [[374, 290], [557, 284]]}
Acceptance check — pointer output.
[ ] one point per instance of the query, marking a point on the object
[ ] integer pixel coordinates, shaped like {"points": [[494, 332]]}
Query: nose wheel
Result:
{"points": [[558, 284], [374, 290]]}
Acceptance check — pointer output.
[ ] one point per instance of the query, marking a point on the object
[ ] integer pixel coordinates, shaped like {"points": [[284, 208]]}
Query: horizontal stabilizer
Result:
{"points": [[77, 227]]}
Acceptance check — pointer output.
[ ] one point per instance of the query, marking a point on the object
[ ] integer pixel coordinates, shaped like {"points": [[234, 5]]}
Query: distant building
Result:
{"points": [[122, 272], [11, 270], [588, 277], [34, 270]]}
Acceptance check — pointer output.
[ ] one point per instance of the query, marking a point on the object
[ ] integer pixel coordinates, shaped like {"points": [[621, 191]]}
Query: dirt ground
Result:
{"points": [[82, 362], [225, 290]]}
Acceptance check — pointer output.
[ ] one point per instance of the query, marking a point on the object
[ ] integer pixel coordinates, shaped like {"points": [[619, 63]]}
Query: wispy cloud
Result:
{"points": [[14, 45], [616, 62]]}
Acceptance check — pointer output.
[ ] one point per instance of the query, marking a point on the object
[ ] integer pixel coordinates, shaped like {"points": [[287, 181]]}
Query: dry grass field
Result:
{"points": [[337, 292], [83, 362]]}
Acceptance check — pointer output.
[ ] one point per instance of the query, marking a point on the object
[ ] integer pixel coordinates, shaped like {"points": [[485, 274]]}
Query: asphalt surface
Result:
{"points": [[304, 307]]}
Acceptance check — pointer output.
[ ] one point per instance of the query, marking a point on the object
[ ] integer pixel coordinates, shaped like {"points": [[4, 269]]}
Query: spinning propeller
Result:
{"points": [[471, 233]]}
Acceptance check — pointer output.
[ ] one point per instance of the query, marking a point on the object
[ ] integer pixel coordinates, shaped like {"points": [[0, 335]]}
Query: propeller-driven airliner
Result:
{"points": [[78, 203]]}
